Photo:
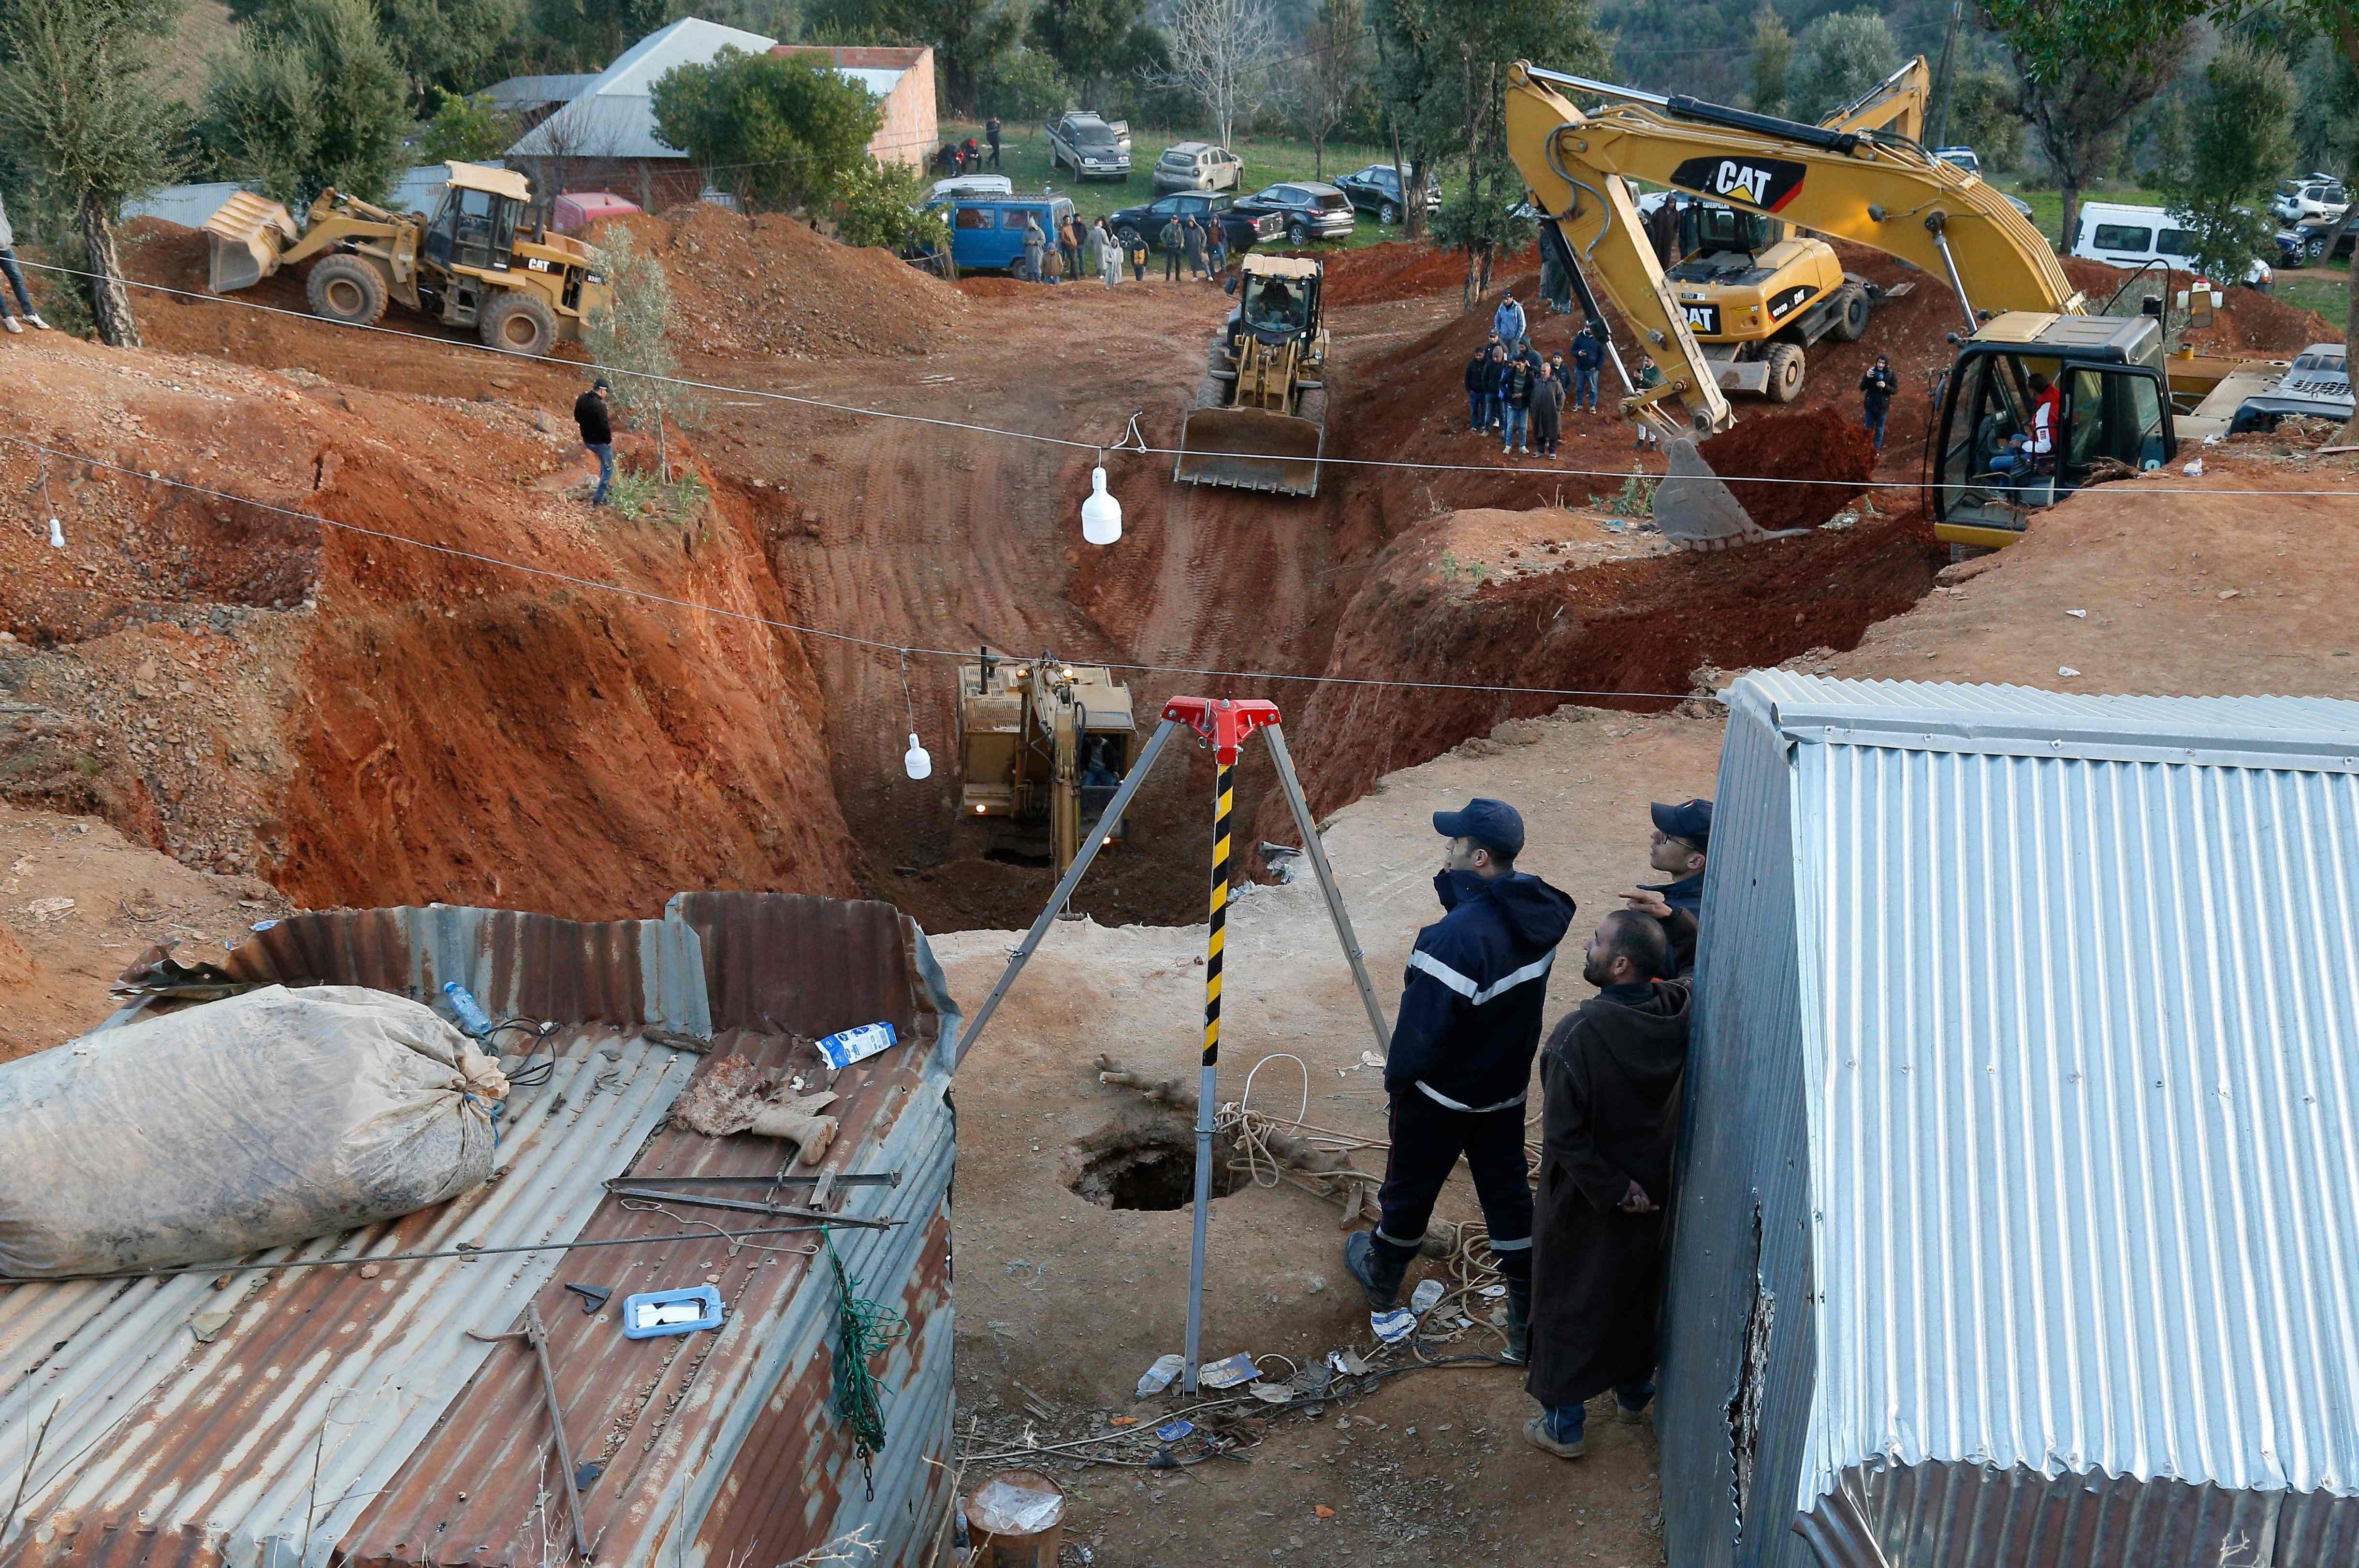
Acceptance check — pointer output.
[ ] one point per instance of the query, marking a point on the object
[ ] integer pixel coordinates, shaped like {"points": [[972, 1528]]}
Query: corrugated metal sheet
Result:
{"points": [[337, 1419], [2065, 1272]]}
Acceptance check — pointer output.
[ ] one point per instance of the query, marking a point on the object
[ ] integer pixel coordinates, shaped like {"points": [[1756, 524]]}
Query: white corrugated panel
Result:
{"points": [[2081, 1064], [614, 116]]}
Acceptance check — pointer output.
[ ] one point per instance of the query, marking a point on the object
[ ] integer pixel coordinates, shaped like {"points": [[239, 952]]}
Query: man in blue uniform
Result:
{"points": [[1460, 1062], [1682, 837]]}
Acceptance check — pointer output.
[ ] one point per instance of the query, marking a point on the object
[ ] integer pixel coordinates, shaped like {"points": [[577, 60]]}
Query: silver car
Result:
{"points": [[1197, 166]]}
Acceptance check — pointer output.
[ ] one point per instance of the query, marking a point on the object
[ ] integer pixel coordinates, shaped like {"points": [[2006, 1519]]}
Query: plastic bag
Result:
{"points": [[249, 1123]]}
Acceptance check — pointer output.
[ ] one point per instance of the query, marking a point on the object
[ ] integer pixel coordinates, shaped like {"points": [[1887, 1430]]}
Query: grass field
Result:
{"points": [[2328, 293], [1024, 159]]}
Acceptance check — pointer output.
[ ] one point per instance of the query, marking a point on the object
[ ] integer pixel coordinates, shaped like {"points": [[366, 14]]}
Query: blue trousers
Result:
{"points": [[1566, 1422], [1585, 388], [604, 453], [1516, 427], [16, 275], [1875, 418], [1478, 409]]}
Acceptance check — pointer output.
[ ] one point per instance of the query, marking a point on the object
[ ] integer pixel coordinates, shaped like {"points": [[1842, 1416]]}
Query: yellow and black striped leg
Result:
{"points": [[1224, 801]]}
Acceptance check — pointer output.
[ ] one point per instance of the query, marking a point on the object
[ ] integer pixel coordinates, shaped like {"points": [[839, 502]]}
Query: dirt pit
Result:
{"points": [[1130, 1164]]}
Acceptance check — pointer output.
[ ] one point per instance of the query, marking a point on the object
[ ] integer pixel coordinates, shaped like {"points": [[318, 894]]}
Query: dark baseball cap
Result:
{"points": [[1690, 820], [602, 385], [1495, 824]]}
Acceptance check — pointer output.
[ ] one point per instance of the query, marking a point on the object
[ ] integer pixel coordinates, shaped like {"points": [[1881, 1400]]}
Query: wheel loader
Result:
{"points": [[1043, 746], [1260, 419], [1759, 298], [485, 258]]}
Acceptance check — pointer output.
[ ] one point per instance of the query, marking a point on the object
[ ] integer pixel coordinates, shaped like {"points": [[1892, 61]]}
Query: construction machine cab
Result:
{"points": [[1273, 307], [478, 219], [1708, 229], [1260, 418], [1043, 747], [2113, 412]]}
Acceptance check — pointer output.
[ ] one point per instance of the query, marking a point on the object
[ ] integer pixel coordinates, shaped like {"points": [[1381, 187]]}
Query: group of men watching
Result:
{"points": [[1514, 393], [1583, 1268]]}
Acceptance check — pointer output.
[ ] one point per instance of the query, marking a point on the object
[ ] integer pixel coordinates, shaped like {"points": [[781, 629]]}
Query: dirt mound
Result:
{"points": [[1629, 626], [2248, 321], [1819, 445], [367, 721], [1403, 269], [770, 285]]}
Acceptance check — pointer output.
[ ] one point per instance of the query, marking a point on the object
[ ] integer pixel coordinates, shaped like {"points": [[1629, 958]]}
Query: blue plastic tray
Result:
{"points": [[704, 1295]]}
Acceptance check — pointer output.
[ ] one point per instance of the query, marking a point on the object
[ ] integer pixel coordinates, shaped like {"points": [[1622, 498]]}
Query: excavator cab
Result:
{"points": [[2113, 415], [1043, 747], [1709, 230]]}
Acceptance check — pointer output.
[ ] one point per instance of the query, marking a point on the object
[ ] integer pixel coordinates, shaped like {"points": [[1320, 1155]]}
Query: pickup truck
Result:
{"points": [[1093, 148], [1241, 229]]}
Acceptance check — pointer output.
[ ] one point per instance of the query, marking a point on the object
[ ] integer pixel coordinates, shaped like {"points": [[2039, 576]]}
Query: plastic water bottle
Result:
{"points": [[842, 1050], [472, 1017]]}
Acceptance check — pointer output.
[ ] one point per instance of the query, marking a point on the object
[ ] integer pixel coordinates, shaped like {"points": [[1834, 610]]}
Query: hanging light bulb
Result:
{"points": [[1101, 513], [917, 762], [57, 534]]}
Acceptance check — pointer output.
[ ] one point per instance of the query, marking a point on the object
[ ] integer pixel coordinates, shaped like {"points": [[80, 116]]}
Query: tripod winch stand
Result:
{"points": [[1226, 725]]}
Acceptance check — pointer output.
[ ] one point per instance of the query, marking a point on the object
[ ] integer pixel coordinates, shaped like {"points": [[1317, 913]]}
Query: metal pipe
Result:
{"points": [[1207, 1083], [1106, 821], [1935, 222], [1317, 853], [1589, 84]]}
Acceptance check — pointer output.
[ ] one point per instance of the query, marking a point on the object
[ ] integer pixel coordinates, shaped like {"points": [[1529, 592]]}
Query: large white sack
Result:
{"points": [[251, 1122]]}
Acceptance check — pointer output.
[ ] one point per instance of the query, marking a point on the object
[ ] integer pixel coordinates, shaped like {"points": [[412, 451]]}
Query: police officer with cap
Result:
{"points": [[1460, 1062], [1682, 839]]}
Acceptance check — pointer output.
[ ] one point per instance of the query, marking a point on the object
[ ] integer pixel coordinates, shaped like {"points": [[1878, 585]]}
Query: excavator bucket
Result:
{"points": [[1694, 508], [244, 240], [1252, 449]]}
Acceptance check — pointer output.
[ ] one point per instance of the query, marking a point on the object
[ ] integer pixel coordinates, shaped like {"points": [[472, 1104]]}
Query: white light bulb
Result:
{"points": [[57, 534], [1101, 513], [917, 762]]}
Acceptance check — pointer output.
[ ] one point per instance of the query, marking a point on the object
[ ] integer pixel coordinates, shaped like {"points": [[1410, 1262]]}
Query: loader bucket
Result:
{"points": [[1695, 510], [1251, 449], [244, 239]]}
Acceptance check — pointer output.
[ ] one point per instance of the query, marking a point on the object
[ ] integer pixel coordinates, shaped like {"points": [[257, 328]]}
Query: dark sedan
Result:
{"points": [[1377, 189], [1310, 210], [1146, 221]]}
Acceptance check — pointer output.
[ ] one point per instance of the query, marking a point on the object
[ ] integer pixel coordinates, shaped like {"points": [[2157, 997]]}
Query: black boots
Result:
{"points": [[1377, 1264], [1519, 1320]]}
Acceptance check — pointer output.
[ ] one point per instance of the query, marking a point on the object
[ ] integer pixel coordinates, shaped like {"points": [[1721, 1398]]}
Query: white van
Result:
{"points": [[2131, 237]]}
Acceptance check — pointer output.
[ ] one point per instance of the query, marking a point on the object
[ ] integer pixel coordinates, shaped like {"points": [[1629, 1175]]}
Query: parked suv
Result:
{"points": [[1147, 220], [2315, 240], [2314, 196], [1311, 210], [1377, 189], [1197, 166], [1092, 147]]}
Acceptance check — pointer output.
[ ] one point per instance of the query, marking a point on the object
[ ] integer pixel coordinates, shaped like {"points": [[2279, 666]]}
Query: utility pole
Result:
{"points": [[1942, 76]]}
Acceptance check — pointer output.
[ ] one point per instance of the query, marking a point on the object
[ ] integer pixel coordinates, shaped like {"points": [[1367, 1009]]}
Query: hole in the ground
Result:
{"points": [[1130, 1166]]}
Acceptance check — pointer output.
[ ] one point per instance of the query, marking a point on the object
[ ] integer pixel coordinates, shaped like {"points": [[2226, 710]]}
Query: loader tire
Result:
{"points": [[1850, 314], [347, 289], [520, 324], [1211, 393], [1785, 368]]}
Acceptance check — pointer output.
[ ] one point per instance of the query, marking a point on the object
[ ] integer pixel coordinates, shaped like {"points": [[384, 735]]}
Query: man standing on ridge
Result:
{"points": [[1460, 1062], [990, 134], [1876, 388], [597, 435]]}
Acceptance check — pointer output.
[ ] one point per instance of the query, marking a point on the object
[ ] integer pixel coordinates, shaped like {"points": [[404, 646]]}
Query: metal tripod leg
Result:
{"points": [[1216, 937], [1089, 847], [1317, 852]]}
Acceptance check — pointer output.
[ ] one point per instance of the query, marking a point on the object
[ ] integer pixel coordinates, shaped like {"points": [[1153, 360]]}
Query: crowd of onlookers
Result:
{"points": [[1075, 250], [1520, 396]]}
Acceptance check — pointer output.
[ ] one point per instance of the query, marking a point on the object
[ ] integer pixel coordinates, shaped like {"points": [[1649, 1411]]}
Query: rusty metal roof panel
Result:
{"points": [[429, 1447]]}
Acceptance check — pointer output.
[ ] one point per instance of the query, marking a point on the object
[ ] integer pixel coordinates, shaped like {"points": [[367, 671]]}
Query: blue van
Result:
{"points": [[987, 232]]}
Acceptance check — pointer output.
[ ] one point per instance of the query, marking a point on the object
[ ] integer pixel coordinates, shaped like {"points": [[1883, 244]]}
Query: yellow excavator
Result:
{"points": [[1757, 296], [1260, 419], [1043, 746], [2123, 403], [483, 258]]}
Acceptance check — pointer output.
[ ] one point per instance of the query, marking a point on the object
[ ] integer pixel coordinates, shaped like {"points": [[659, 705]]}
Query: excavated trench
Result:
{"points": [[362, 721]]}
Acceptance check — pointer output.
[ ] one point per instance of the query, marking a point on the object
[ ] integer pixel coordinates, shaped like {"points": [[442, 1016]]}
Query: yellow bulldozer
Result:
{"points": [[483, 258], [1043, 746], [1260, 419]]}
